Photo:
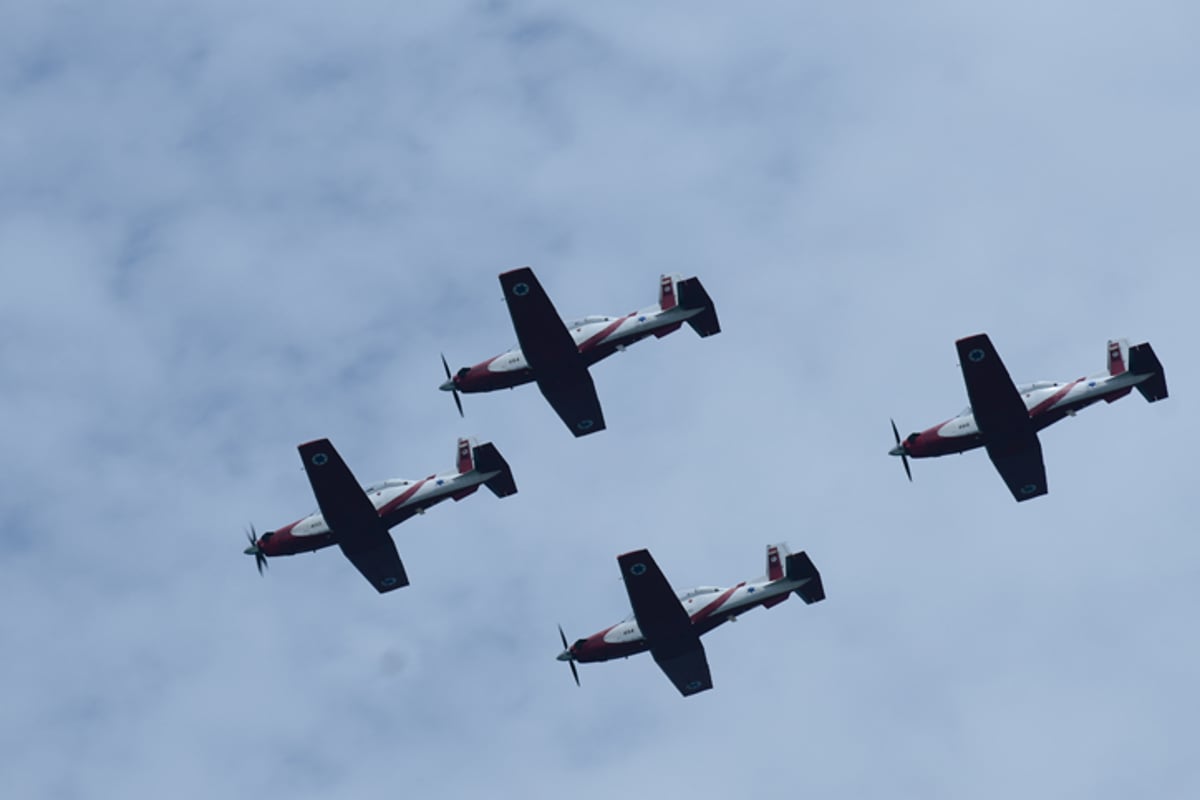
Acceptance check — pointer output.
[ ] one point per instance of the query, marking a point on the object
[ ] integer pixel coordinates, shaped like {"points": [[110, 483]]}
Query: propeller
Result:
{"points": [[900, 451], [567, 655], [260, 558], [450, 383]]}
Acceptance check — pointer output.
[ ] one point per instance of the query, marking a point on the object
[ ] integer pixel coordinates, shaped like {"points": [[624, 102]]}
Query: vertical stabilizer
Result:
{"points": [[466, 460], [774, 565], [666, 293], [1118, 358], [1118, 355]]}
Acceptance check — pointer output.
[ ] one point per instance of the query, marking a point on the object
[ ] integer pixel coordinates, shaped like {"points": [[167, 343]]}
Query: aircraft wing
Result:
{"points": [[572, 395], [543, 337], [1012, 442], [1018, 459], [673, 641], [995, 402], [361, 534]]}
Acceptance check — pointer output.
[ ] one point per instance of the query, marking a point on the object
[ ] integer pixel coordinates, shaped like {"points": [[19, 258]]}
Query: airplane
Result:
{"points": [[556, 355], [1005, 419], [669, 624], [358, 520]]}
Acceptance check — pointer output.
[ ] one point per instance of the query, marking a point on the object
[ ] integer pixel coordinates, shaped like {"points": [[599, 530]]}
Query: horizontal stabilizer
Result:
{"points": [[488, 459], [1142, 361], [801, 568], [692, 295]]}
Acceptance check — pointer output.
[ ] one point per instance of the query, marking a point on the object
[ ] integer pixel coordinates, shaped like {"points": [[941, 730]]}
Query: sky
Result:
{"points": [[229, 228]]}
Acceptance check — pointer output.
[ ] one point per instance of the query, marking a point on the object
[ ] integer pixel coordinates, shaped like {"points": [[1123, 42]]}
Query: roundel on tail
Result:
{"points": [[976, 355], [520, 289], [638, 569], [320, 459]]}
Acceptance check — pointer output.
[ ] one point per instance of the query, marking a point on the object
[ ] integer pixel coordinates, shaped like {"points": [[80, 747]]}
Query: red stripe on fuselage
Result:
{"points": [[592, 341], [1052, 399], [715, 604], [391, 505]]}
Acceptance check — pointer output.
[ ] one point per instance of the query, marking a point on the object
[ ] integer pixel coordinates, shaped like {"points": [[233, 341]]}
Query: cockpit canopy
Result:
{"points": [[579, 323], [388, 484]]}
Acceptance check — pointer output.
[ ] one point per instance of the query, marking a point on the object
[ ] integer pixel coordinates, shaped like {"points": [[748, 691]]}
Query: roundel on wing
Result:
{"points": [[693, 685], [585, 424], [521, 289], [320, 459], [638, 569], [976, 355], [1029, 488], [388, 581]]}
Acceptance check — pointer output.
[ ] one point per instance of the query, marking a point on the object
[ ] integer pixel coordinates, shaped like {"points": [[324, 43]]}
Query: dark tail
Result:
{"points": [[1142, 361], [488, 459], [692, 295], [801, 568]]}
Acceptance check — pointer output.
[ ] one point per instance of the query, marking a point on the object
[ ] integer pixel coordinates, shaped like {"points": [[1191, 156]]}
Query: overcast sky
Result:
{"points": [[229, 228]]}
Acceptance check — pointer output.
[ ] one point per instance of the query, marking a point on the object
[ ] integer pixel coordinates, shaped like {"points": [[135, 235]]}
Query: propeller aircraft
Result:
{"points": [[669, 624], [556, 355], [1004, 418], [358, 520]]}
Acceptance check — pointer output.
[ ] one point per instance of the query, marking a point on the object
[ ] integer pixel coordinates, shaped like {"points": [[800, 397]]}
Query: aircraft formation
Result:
{"points": [[1003, 418]]}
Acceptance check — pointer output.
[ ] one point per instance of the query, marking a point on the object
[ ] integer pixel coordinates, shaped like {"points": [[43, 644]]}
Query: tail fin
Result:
{"points": [[488, 459], [1118, 355], [801, 568], [692, 295], [775, 572], [1142, 361], [774, 565], [466, 463], [666, 293]]}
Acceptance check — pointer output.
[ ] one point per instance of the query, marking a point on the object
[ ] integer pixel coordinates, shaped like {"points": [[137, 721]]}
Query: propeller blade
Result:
{"points": [[903, 455], [567, 649], [449, 377], [255, 549]]}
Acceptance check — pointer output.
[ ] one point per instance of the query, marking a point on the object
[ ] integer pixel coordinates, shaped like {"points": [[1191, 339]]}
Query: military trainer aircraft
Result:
{"points": [[1005, 419], [357, 519], [557, 355], [670, 624]]}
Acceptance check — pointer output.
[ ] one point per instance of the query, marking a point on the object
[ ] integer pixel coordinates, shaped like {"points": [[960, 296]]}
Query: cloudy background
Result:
{"points": [[228, 228]]}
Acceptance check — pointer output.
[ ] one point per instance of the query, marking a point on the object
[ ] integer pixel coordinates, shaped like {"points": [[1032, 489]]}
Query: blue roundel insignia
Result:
{"points": [[694, 685], [638, 569], [320, 459], [976, 355], [641, 319], [584, 424], [388, 581], [1029, 488], [440, 481], [521, 289]]}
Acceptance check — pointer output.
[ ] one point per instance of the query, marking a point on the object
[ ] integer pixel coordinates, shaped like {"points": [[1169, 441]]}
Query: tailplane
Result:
{"points": [[692, 296], [1142, 361], [801, 568], [488, 459], [775, 553]]}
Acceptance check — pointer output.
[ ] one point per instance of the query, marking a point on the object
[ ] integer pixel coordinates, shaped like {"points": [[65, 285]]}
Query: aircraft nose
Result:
{"points": [[251, 550], [447, 386], [898, 450], [565, 655]]}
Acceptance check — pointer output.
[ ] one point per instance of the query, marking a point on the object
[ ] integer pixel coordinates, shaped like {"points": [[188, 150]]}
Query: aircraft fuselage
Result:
{"points": [[706, 606], [1046, 401], [595, 338]]}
